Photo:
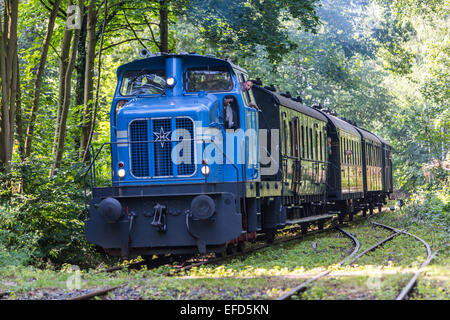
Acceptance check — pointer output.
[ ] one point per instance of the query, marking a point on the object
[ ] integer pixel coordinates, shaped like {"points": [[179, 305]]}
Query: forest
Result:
{"points": [[380, 63]]}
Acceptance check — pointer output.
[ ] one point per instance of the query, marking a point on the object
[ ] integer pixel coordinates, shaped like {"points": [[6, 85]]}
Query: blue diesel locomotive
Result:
{"points": [[203, 160]]}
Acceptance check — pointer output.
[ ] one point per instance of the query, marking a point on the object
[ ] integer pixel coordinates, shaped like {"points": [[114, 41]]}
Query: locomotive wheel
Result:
{"points": [[231, 249], [222, 253], [241, 246]]}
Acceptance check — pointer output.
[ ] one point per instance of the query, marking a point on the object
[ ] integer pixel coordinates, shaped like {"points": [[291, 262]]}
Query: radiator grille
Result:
{"points": [[162, 130], [139, 151], [186, 168], [153, 158]]}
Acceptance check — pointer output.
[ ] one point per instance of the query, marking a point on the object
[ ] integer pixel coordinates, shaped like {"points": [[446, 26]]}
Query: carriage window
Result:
{"points": [[310, 144], [321, 147], [208, 79], [143, 82], [307, 142], [353, 152], [378, 156], [285, 134], [291, 138], [303, 142], [357, 153], [316, 149], [296, 142], [345, 151]]}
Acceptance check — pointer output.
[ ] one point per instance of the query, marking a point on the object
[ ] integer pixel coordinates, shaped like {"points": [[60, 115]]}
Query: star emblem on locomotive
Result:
{"points": [[162, 137]]}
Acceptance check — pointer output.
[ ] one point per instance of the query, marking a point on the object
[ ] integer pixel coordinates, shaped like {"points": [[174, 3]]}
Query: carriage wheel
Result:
{"points": [[304, 228], [340, 218], [320, 224]]}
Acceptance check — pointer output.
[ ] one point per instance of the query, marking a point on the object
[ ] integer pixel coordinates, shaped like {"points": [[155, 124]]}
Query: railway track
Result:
{"points": [[204, 261], [405, 291], [305, 284], [301, 287], [332, 225], [104, 291], [404, 294]]}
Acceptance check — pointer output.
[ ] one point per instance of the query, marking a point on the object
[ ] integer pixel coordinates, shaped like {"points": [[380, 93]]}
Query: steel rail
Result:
{"points": [[246, 252], [305, 284], [96, 293], [392, 236], [405, 291]]}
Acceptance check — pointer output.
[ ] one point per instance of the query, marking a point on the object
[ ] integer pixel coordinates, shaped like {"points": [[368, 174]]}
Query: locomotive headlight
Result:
{"points": [[205, 169], [170, 81], [121, 173]]}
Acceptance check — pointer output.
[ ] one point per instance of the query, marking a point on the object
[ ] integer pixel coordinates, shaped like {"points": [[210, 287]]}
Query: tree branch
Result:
{"points": [[153, 35], [119, 43], [134, 32], [61, 15]]}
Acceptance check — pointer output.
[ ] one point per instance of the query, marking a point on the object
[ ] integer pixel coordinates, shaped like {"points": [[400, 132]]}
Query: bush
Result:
{"points": [[45, 221], [431, 205]]}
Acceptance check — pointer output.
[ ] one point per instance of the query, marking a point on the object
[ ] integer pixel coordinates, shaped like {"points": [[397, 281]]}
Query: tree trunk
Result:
{"points": [[89, 78], [38, 79], [164, 26], [63, 65], [80, 70], [4, 108], [19, 123], [9, 77], [61, 133]]}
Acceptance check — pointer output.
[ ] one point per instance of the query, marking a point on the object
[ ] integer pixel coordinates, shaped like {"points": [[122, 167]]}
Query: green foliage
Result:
{"points": [[44, 222], [240, 25], [431, 206]]}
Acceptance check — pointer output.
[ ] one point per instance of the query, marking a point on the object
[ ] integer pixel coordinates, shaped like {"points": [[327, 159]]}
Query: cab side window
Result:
{"points": [[247, 93]]}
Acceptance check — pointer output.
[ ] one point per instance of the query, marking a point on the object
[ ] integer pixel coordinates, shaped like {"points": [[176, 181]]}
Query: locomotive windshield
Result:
{"points": [[208, 79], [142, 82]]}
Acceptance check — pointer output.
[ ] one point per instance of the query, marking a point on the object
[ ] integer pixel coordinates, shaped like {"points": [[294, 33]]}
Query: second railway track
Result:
{"points": [[404, 292]]}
